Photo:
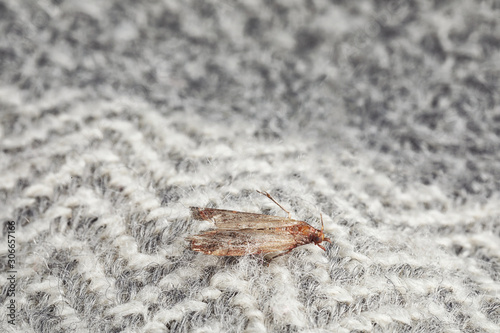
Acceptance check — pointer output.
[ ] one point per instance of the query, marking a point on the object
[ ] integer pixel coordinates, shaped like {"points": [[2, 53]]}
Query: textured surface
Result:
{"points": [[382, 116]]}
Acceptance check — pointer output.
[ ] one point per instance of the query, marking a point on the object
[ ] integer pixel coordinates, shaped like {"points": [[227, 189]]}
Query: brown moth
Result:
{"points": [[240, 233]]}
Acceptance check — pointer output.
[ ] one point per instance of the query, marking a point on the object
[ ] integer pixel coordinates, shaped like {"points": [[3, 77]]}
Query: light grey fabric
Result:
{"points": [[384, 117]]}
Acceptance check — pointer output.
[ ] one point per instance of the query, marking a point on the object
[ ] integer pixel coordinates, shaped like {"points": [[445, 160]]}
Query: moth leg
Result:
{"points": [[268, 259], [270, 197], [321, 247]]}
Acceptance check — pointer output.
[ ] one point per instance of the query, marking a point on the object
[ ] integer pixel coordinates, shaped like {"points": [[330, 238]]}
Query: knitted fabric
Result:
{"points": [[117, 116]]}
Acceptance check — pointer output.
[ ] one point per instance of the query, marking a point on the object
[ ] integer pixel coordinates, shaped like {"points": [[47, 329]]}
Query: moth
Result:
{"points": [[240, 233]]}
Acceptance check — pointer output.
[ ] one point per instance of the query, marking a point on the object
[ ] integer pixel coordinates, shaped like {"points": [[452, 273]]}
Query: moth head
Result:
{"points": [[319, 236]]}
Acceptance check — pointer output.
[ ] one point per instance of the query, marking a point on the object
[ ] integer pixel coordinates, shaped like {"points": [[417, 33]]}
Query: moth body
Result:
{"points": [[240, 233]]}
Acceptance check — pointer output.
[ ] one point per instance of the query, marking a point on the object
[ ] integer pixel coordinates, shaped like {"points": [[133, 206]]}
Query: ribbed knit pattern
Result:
{"points": [[383, 116]]}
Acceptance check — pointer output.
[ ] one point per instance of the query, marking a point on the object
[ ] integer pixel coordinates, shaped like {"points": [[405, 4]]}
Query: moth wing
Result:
{"points": [[242, 242], [233, 220]]}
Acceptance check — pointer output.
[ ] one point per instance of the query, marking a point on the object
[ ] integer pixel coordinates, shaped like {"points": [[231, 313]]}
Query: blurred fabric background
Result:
{"points": [[383, 116]]}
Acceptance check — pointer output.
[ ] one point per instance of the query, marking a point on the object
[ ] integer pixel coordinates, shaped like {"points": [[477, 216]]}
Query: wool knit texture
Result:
{"points": [[381, 116]]}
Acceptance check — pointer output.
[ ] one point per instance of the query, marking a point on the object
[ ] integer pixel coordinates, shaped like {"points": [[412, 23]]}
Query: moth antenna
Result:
{"points": [[322, 230], [322, 225], [270, 197]]}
